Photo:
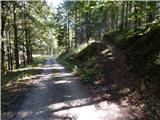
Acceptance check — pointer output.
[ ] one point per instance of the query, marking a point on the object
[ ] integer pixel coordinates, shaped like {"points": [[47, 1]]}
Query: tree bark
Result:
{"points": [[15, 38], [135, 16], [126, 15], [130, 9], [8, 50], [75, 29], [2, 56], [10, 47], [24, 60], [68, 41], [30, 43], [27, 46], [122, 16], [30, 47], [151, 12], [88, 26]]}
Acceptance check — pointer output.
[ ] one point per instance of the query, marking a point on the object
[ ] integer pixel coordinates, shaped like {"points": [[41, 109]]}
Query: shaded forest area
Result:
{"points": [[112, 45]]}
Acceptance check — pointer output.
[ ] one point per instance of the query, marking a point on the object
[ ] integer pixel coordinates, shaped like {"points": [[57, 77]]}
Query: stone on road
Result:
{"points": [[58, 95]]}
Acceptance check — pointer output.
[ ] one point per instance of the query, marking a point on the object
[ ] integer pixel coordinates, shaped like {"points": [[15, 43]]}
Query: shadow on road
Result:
{"points": [[58, 94]]}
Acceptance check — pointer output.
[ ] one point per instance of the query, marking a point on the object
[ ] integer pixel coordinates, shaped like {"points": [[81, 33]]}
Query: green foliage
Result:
{"points": [[61, 36], [19, 74], [142, 50], [80, 17], [91, 50], [89, 71], [85, 62], [157, 61], [38, 61], [64, 60], [146, 47], [113, 36], [141, 46]]}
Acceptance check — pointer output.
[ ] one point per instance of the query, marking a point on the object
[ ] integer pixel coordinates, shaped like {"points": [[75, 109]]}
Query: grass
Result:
{"points": [[64, 60], [84, 62], [17, 82], [38, 61], [18, 74]]}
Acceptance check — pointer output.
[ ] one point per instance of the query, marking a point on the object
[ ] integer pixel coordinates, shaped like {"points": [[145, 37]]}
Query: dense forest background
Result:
{"points": [[27, 28], [33, 27]]}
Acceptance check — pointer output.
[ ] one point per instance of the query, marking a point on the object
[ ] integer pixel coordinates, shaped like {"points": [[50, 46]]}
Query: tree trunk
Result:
{"points": [[117, 18], [126, 15], [135, 16], [80, 19], [151, 12], [30, 46], [122, 16], [8, 50], [88, 26], [2, 56], [15, 38], [24, 61], [2, 26], [130, 10], [27, 46], [10, 47], [3, 18], [75, 28], [68, 41]]}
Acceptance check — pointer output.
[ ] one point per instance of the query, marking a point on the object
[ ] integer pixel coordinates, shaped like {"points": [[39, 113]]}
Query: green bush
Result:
{"points": [[90, 71]]}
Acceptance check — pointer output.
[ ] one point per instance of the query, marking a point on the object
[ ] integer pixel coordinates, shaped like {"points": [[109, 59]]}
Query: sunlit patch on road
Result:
{"points": [[54, 68], [67, 74], [84, 110], [62, 82]]}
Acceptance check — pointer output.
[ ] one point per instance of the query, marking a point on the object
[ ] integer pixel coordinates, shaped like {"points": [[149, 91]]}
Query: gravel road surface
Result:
{"points": [[59, 95]]}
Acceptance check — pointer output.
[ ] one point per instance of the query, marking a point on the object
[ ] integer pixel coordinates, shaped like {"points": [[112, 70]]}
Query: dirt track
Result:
{"points": [[58, 95]]}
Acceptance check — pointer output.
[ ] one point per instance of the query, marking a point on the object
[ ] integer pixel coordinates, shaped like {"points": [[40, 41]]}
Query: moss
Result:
{"points": [[92, 50]]}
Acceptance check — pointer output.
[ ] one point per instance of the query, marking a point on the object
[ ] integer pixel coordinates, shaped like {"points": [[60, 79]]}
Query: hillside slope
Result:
{"points": [[124, 67]]}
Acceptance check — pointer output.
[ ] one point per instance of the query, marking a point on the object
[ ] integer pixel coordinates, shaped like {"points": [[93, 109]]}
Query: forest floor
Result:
{"points": [[118, 84], [58, 94]]}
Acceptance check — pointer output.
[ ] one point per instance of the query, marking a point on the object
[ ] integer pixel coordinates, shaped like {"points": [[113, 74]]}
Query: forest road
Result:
{"points": [[59, 95]]}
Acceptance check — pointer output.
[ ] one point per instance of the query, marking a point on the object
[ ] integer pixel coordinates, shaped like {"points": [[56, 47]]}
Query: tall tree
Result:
{"points": [[16, 51]]}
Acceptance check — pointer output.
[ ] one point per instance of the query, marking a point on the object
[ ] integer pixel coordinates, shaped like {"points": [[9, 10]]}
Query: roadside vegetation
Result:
{"points": [[15, 84], [138, 51]]}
